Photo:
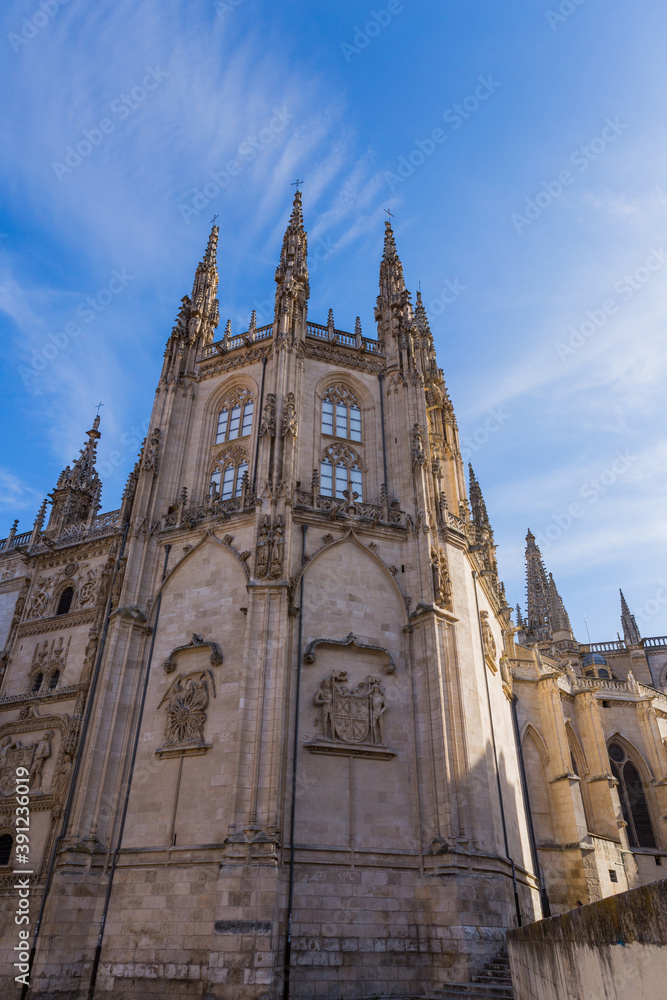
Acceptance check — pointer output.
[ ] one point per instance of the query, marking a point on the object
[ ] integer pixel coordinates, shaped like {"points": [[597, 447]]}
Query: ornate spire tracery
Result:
{"points": [[546, 618], [77, 492], [630, 627]]}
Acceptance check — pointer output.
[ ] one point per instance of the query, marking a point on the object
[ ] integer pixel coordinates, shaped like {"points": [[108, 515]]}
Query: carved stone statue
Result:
{"points": [[187, 700], [490, 650], [324, 698], [42, 754], [277, 552], [506, 674], [152, 452], [268, 425], [418, 456], [263, 547], [442, 584], [290, 425], [378, 707]]}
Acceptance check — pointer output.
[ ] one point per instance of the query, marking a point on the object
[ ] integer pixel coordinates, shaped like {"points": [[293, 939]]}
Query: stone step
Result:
{"points": [[474, 991], [500, 974]]}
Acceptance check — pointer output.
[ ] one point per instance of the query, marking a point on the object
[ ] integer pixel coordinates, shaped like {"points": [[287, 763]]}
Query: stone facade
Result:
{"points": [[293, 732]]}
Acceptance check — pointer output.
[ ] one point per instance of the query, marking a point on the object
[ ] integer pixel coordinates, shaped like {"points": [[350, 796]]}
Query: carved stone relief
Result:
{"points": [[351, 719], [268, 425], [33, 757], [187, 699], [442, 584], [270, 549], [290, 425], [490, 650]]}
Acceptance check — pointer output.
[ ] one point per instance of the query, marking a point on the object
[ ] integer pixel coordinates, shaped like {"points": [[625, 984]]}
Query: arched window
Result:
{"points": [[340, 470], [53, 680], [65, 602], [37, 683], [341, 413], [633, 799], [604, 674], [6, 844], [235, 417], [227, 477]]}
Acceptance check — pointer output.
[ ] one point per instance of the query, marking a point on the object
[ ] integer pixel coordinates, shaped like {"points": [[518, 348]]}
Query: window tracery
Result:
{"points": [[341, 473], [235, 417], [229, 472], [341, 413]]}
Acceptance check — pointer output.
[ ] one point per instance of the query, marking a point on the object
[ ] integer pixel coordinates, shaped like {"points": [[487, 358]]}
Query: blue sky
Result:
{"points": [[540, 200]]}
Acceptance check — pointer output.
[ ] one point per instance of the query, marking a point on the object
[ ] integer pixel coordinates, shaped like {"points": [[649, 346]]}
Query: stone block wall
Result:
{"points": [[613, 949]]}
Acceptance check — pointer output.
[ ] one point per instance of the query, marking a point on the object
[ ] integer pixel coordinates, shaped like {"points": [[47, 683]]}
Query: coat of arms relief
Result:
{"points": [[351, 717]]}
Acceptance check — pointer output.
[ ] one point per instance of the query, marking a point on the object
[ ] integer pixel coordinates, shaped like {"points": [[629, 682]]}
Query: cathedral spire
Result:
{"points": [[204, 314], [292, 287], [558, 616], [77, 492], [294, 253], [480, 516], [392, 282], [630, 628], [421, 319], [537, 593]]}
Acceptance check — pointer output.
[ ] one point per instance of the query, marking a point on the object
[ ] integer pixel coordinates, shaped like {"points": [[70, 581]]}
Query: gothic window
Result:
{"points": [[340, 470], [235, 417], [633, 798], [65, 602], [6, 844], [341, 413], [53, 680], [37, 683], [227, 477]]}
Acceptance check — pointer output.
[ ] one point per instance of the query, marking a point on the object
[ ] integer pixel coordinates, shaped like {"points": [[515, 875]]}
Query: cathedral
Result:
{"points": [[269, 730]]}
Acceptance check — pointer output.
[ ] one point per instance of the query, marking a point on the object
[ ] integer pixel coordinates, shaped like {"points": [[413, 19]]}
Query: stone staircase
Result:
{"points": [[494, 982]]}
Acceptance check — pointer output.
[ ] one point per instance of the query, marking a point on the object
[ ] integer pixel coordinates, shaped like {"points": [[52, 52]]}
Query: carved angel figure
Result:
{"points": [[187, 700]]}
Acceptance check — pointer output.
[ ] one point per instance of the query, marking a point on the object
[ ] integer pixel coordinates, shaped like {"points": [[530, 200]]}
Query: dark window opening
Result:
{"points": [[53, 681], [65, 602], [633, 800], [37, 683], [603, 673], [6, 844], [612, 875]]}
